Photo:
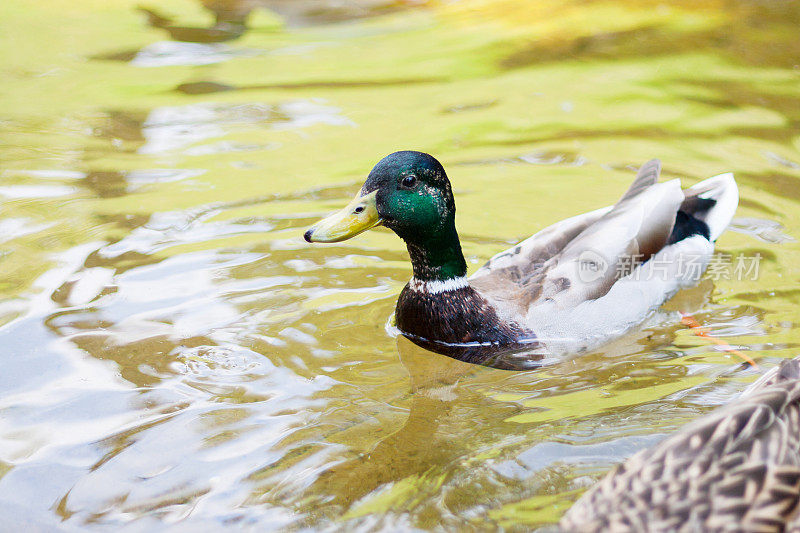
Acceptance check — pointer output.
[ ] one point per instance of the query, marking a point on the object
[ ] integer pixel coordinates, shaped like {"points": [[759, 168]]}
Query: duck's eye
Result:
{"points": [[409, 181]]}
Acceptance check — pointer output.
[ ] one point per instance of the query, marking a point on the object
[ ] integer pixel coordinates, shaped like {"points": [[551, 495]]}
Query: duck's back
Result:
{"points": [[737, 469], [590, 277]]}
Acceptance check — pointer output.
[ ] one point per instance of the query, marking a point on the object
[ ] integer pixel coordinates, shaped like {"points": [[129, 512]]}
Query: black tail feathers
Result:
{"points": [[687, 224]]}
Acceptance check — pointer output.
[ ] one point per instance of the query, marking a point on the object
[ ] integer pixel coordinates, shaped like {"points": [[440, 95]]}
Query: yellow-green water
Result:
{"points": [[173, 353]]}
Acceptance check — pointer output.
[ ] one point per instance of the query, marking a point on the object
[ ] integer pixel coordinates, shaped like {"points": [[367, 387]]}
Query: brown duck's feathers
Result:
{"points": [[588, 278], [471, 318], [736, 469]]}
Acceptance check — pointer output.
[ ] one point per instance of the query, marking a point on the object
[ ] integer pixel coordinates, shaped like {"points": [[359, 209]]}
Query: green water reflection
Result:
{"points": [[174, 354]]}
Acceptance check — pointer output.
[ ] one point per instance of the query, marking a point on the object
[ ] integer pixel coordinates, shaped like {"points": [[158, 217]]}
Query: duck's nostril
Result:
{"points": [[307, 235], [359, 209]]}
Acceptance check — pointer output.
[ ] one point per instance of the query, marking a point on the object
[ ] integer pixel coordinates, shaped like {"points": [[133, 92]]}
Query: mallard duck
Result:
{"points": [[736, 469], [570, 287]]}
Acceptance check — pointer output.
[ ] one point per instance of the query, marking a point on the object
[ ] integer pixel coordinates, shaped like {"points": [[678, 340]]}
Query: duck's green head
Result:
{"points": [[409, 193]]}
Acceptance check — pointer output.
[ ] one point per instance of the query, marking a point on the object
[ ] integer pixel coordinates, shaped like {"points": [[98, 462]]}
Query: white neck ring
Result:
{"points": [[438, 286]]}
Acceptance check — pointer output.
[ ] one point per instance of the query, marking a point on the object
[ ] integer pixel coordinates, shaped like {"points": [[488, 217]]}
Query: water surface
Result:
{"points": [[175, 355]]}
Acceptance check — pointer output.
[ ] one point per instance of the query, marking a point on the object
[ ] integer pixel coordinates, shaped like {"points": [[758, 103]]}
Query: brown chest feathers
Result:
{"points": [[454, 317]]}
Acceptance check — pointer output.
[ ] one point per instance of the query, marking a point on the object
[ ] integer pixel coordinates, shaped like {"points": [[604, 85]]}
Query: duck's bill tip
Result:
{"points": [[356, 217]]}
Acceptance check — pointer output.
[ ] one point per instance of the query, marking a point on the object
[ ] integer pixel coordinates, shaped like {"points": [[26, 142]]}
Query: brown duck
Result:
{"points": [[736, 469]]}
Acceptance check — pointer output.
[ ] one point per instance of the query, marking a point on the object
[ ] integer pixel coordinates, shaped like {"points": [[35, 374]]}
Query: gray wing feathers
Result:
{"points": [[550, 241], [632, 231], [549, 270], [737, 469], [648, 175], [589, 323], [512, 280], [521, 260]]}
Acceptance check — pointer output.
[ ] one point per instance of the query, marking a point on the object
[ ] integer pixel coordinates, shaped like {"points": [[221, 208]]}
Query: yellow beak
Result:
{"points": [[356, 217]]}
